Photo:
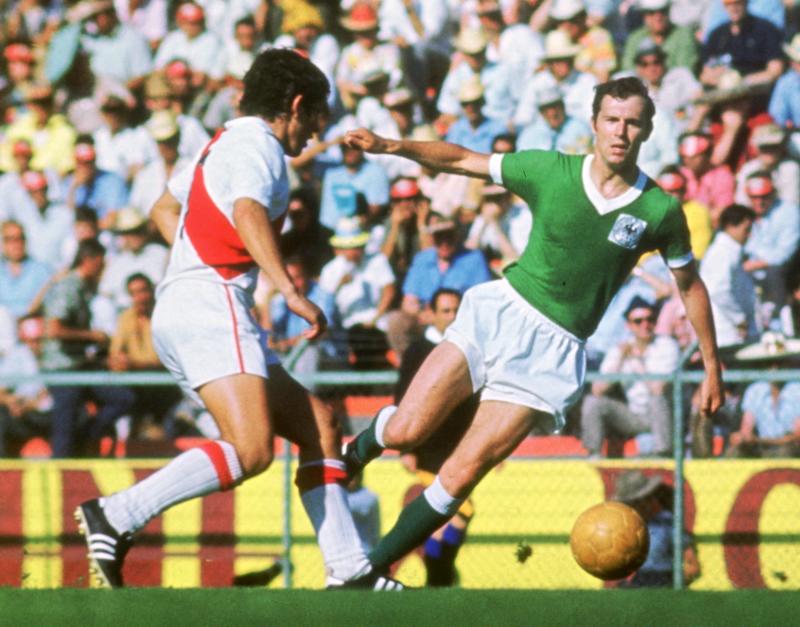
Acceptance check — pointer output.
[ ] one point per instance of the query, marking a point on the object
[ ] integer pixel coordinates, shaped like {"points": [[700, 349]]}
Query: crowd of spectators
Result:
{"points": [[104, 100]]}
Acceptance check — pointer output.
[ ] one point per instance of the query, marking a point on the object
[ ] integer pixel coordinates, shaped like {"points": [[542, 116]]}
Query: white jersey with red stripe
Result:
{"points": [[243, 160]]}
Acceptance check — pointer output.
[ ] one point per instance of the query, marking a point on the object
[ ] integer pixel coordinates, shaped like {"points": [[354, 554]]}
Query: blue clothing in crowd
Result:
{"points": [[478, 139], [340, 186], [774, 419], [105, 193], [784, 105], [467, 268], [775, 237], [18, 292]]}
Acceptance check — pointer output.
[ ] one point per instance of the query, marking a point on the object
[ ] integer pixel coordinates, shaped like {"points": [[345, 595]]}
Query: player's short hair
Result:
{"points": [[276, 77], [734, 215], [443, 291], [622, 89]]}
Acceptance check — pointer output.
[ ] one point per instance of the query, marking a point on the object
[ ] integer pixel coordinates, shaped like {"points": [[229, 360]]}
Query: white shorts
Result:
{"points": [[203, 331], [515, 354]]}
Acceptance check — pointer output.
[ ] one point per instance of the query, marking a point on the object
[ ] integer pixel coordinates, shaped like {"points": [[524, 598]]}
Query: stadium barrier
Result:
{"points": [[743, 513]]}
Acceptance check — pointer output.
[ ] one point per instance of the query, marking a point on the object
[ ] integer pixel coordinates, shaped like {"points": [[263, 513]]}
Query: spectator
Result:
{"points": [[553, 129], [185, 96], [501, 229], [224, 106], [72, 344], [48, 132], [105, 192], [21, 278], [403, 233], [84, 227], [769, 141], [774, 239], [20, 67], [646, 408], [653, 499], [137, 254], [120, 146], [678, 42], [132, 349], [784, 106], [363, 289], [46, 223], [306, 237], [559, 72], [149, 17], [241, 49], [730, 286], [341, 184], [710, 185], [12, 191], [370, 112], [698, 216], [473, 129], [596, 55], [403, 110], [25, 406]]}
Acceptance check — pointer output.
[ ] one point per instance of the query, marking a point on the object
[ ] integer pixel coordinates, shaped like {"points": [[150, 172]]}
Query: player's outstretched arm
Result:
{"points": [[165, 214], [698, 310], [438, 155]]}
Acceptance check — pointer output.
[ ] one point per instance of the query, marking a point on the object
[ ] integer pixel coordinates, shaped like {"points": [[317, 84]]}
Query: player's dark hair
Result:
{"points": [[443, 291], [622, 89], [276, 78], [734, 215], [87, 249], [139, 276]]}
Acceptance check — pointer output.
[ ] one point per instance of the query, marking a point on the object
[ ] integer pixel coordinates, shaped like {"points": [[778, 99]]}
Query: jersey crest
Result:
{"points": [[627, 231]]}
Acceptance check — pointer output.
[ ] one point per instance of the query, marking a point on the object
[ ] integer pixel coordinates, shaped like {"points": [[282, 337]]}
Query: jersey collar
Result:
{"points": [[605, 205]]}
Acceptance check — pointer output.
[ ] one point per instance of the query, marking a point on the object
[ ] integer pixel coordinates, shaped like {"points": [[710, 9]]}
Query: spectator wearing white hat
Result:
{"points": [[473, 129], [769, 141], [678, 42], [559, 72], [596, 52], [553, 129], [784, 105], [496, 78]]}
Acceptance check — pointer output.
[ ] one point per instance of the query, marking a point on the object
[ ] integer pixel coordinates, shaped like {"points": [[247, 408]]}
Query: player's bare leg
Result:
{"points": [[496, 431]]}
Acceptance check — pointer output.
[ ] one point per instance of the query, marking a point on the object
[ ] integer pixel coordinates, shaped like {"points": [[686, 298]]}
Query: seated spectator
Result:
{"points": [[121, 147], [71, 344], [770, 424], [137, 254], [472, 129], [46, 222], [84, 227], [12, 191], [404, 232], [363, 289], [305, 237], [730, 286], [678, 42], [403, 110], [224, 106], [784, 106], [769, 141], [553, 129], [710, 185], [774, 238], [20, 68], [597, 55], [370, 112], [24, 407], [132, 349], [501, 229], [105, 192], [22, 278], [646, 407], [698, 216]]}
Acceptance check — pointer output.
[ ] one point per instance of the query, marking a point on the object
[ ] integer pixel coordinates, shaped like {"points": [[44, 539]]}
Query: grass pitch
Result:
{"points": [[440, 608]]}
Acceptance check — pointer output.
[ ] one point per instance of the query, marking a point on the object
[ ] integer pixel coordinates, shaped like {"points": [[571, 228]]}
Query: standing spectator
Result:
{"points": [[678, 42], [46, 223], [730, 286], [473, 129], [770, 424], [69, 346], [553, 129], [769, 141], [784, 106], [775, 237], [698, 216], [597, 55], [21, 278], [646, 408], [711, 185]]}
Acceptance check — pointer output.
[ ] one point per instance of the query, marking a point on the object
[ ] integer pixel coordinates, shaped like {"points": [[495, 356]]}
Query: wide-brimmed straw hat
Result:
{"points": [[349, 234]]}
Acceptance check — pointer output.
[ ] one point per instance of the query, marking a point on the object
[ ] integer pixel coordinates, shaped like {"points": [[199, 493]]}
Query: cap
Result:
{"points": [[633, 485], [33, 180], [768, 135], [18, 52], [22, 147], [471, 90], [471, 41], [85, 152], [671, 182], [403, 189], [759, 185], [162, 126], [349, 234], [190, 12], [548, 96], [694, 144], [398, 97], [558, 45], [637, 302], [177, 69], [157, 86], [362, 17], [653, 5], [127, 220], [566, 9], [792, 49]]}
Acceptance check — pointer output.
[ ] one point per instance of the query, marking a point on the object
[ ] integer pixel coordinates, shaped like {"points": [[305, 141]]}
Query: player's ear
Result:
{"points": [[297, 105]]}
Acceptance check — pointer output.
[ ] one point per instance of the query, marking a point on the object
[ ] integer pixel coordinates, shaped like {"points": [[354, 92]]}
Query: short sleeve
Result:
{"points": [[180, 183], [253, 176], [672, 238], [523, 172]]}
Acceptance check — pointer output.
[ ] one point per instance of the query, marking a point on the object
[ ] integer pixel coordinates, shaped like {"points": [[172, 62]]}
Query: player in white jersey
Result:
{"points": [[222, 217]]}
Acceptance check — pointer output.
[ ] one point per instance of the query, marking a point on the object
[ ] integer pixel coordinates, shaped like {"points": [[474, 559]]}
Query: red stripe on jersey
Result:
{"points": [[310, 477], [214, 238], [235, 329], [217, 457]]}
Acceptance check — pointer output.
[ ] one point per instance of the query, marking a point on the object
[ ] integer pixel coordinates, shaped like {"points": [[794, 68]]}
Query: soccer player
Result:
{"points": [[222, 216], [519, 341]]}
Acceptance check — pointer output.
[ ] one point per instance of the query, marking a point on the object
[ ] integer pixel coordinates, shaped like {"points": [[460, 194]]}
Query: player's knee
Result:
{"points": [[254, 459]]}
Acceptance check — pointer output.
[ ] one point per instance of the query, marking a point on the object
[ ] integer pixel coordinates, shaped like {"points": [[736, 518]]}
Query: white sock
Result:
{"points": [[325, 502], [197, 472], [380, 422], [439, 499]]}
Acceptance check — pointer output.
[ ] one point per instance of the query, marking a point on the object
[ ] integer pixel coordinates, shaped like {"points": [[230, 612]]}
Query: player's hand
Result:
{"points": [[365, 140], [712, 394], [312, 314]]}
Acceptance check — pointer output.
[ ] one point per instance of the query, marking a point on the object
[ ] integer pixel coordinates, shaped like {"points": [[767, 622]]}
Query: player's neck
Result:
{"points": [[612, 181]]}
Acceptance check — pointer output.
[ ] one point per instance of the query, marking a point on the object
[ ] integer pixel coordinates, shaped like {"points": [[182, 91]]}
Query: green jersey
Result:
{"points": [[582, 246]]}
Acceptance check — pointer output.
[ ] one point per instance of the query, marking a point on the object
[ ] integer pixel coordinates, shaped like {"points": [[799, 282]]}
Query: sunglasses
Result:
{"points": [[650, 319]]}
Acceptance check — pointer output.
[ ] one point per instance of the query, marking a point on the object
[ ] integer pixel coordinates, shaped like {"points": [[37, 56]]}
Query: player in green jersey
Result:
{"points": [[519, 341]]}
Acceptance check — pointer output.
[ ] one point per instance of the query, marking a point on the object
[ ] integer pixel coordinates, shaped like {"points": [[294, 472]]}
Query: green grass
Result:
{"points": [[440, 608]]}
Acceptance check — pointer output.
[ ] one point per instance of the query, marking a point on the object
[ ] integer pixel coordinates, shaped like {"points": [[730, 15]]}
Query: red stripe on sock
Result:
{"points": [[310, 477], [217, 457]]}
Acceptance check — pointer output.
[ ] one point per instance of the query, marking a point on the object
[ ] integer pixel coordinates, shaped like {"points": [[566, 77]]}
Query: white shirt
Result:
{"points": [[204, 53], [578, 90], [731, 290], [129, 148], [150, 261], [395, 22], [44, 232], [150, 182], [785, 177]]}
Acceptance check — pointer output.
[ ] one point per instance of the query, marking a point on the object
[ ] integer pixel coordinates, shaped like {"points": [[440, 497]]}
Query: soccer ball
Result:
{"points": [[610, 540]]}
